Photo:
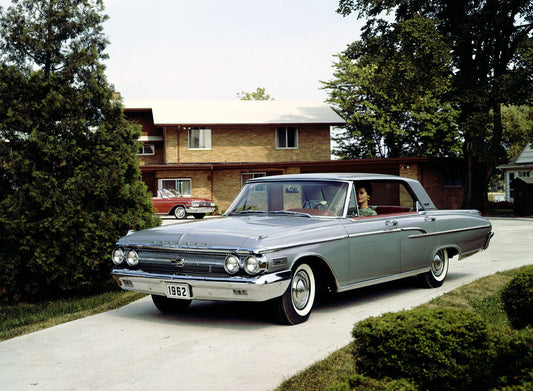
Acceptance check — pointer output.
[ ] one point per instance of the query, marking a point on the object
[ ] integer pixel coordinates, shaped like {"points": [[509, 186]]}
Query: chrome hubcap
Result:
{"points": [[437, 266], [180, 212], [300, 289]]}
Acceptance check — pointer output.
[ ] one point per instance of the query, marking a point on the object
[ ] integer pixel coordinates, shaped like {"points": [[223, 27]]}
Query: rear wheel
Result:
{"points": [[439, 270], [166, 305], [296, 304], [180, 212]]}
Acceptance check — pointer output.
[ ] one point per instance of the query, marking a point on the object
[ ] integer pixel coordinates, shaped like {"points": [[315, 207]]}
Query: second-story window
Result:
{"points": [[199, 138], [147, 149], [287, 137]]}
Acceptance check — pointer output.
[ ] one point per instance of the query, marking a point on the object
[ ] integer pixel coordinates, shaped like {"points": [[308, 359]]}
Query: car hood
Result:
{"points": [[252, 232]]}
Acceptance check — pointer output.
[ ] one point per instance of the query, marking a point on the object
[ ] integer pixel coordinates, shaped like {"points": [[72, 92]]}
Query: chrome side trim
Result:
{"points": [[451, 231], [388, 231], [381, 280]]}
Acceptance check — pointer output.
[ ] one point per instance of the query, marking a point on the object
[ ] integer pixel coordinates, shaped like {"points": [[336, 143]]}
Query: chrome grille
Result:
{"points": [[182, 263]]}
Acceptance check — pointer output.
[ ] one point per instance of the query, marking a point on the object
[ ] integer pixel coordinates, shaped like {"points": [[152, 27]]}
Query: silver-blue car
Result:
{"points": [[286, 238]]}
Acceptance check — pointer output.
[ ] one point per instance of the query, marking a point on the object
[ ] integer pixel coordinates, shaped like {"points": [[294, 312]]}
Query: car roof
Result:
{"points": [[327, 177]]}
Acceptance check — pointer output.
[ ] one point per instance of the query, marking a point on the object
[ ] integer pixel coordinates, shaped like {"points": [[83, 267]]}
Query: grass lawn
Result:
{"points": [[27, 318]]}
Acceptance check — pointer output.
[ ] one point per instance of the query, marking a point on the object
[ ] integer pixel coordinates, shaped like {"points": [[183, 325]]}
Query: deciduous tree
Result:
{"points": [[258, 94], [491, 47], [391, 88]]}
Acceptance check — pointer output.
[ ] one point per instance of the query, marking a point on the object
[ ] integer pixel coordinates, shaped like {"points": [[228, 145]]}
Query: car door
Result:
{"points": [[419, 239], [374, 245]]}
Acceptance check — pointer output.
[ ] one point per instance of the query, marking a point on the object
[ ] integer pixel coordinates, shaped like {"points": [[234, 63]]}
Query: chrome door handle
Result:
{"points": [[391, 223], [430, 218]]}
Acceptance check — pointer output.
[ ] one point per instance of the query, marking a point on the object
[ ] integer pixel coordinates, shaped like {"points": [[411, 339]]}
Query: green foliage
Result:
{"points": [[513, 365], [517, 129], [391, 88], [358, 382], [491, 52], [69, 178], [517, 300], [258, 94], [438, 349]]}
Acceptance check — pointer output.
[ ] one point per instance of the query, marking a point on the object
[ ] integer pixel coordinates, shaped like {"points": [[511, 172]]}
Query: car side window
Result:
{"points": [[384, 197]]}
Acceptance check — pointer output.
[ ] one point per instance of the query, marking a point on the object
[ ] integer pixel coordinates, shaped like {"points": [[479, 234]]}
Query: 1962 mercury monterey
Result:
{"points": [[285, 238]]}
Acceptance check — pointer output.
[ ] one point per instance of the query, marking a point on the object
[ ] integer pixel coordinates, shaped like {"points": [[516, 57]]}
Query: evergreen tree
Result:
{"points": [[69, 178]]}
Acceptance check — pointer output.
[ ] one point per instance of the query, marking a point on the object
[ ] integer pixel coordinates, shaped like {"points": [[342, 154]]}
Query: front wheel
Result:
{"points": [[170, 306], [295, 305], [199, 215], [439, 270], [180, 212]]}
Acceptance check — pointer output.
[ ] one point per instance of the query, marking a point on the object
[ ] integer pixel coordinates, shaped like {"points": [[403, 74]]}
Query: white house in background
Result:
{"points": [[521, 167]]}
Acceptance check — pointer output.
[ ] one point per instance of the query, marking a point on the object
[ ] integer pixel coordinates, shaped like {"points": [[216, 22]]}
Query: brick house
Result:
{"points": [[210, 148]]}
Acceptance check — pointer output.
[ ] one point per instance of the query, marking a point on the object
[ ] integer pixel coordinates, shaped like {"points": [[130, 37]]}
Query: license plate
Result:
{"points": [[178, 291]]}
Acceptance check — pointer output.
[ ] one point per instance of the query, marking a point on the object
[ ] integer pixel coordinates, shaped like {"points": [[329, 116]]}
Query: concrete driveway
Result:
{"points": [[221, 346]]}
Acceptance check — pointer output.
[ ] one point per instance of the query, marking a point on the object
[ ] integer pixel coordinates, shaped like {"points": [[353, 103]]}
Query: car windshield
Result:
{"points": [[302, 198], [167, 193]]}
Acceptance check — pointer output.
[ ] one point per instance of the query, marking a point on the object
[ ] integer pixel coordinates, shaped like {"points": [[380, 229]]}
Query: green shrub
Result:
{"points": [[517, 299], [358, 382], [513, 364], [439, 349]]}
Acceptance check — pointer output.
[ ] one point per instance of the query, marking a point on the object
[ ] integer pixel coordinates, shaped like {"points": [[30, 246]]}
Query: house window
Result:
{"points": [[146, 149], [250, 175], [199, 138], [182, 186], [523, 174], [453, 178], [287, 137]]}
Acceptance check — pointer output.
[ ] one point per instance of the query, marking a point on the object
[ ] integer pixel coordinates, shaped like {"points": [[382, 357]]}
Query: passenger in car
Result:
{"points": [[364, 191]]}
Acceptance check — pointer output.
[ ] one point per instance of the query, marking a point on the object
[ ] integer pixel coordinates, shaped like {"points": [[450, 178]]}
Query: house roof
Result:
{"points": [[237, 112], [523, 161], [526, 156]]}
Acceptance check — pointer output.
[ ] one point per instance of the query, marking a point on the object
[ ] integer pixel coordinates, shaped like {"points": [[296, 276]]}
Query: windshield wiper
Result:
{"points": [[247, 211], [289, 212]]}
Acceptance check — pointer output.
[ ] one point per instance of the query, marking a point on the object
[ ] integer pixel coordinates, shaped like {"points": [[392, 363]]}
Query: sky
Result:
{"points": [[213, 49]]}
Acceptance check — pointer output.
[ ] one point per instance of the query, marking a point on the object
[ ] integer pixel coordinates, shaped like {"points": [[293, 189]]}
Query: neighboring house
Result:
{"points": [[209, 149], [521, 167]]}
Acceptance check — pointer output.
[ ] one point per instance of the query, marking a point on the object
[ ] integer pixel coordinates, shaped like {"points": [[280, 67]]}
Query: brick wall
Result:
{"points": [[433, 179], [254, 143]]}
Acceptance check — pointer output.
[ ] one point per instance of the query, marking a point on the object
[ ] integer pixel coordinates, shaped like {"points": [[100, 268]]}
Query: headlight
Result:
{"points": [[212, 204], [252, 265], [195, 204], [133, 258], [118, 256], [231, 264]]}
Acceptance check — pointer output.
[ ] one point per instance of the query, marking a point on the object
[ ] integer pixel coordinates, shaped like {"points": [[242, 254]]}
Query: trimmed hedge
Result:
{"points": [[513, 365], [435, 348], [517, 298]]}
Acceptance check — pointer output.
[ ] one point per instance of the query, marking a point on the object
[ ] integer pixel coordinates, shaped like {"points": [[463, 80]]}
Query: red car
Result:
{"points": [[171, 202]]}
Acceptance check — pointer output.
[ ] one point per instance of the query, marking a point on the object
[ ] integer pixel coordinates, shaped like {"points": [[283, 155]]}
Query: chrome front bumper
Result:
{"points": [[262, 288], [202, 209]]}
